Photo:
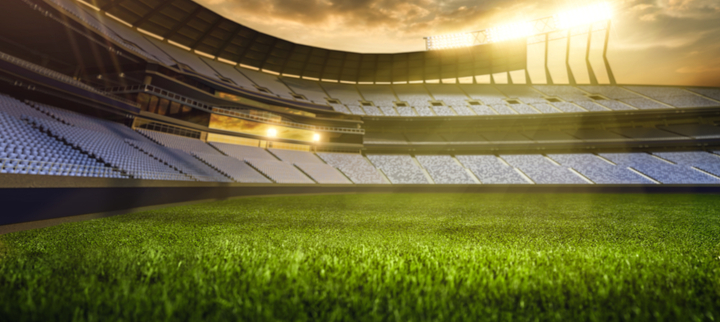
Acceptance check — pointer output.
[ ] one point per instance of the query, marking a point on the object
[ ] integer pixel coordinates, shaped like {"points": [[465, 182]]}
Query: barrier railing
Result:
{"points": [[228, 111]]}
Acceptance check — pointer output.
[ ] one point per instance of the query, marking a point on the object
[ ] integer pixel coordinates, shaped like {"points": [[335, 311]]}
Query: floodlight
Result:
{"points": [[509, 32], [272, 132], [600, 11], [449, 41], [316, 137]]}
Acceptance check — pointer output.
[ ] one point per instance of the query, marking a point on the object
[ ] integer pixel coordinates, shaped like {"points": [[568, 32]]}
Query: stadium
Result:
{"points": [[161, 162]]}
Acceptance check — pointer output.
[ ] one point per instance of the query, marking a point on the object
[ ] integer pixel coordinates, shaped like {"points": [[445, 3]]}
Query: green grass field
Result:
{"points": [[377, 257]]}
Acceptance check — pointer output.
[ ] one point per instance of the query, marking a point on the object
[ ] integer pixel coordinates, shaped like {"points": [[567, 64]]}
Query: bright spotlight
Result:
{"points": [[449, 41], [509, 32], [600, 11], [316, 137], [272, 132]]}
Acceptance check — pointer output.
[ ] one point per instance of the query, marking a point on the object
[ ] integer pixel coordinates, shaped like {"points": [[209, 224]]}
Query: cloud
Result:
{"points": [[650, 38]]}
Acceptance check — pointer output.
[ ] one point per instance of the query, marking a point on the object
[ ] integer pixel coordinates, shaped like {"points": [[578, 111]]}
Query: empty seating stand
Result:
{"points": [[399, 169], [355, 167]]}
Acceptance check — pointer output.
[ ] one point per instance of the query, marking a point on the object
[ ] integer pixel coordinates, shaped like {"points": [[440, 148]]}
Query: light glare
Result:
{"points": [[511, 31], [272, 132], [583, 16]]}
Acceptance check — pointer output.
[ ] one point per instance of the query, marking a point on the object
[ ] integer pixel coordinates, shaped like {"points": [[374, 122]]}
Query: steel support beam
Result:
{"points": [[605, 47], [591, 73], [571, 77], [548, 76]]}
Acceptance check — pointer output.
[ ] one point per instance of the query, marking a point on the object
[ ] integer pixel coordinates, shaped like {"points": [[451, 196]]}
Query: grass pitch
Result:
{"points": [[377, 257]]}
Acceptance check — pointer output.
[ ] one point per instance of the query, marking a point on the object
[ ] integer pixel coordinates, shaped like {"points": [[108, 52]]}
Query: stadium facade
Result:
{"points": [[131, 103]]}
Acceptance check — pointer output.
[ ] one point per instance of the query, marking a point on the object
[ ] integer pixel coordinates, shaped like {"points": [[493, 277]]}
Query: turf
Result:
{"points": [[377, 257]]}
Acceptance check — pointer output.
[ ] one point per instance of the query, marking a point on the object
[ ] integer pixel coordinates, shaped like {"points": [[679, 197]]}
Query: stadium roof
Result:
{"points": [[198, 28]]}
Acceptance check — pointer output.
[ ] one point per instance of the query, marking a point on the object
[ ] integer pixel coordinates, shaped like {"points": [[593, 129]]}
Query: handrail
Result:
{"points": [[224, 110]]}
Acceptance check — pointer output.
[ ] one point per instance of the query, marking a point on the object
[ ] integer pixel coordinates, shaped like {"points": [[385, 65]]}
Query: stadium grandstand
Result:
{"points": [[112, 105]]}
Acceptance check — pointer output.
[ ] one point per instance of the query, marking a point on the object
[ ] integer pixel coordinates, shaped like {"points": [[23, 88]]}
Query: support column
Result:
{"points": [[591, 73], [605, 47], [548, 76], [571, 77]]}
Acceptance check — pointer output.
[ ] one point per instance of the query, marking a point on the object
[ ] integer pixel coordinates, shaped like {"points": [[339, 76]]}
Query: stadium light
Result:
{"points": [[509, 32], [449, 41], [583, 16], [272, 132], [316, 137]]}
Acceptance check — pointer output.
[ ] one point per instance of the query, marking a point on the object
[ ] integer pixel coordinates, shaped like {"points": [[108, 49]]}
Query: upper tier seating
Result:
{"points": [[524, 93], [185, 57], [611, 92], [568, 107], [415, 94], [615, 105], [310, 89], [543, 171], [424, 111], [323, 173], [232, 167], [592, 106], [378, 94], [356, 110], [698, 159], [399, 169], [546, 108], [524, 109], [565, 92], [451, 94], [660, 170], [179, 142], [389, 111], [406, 111], [676, 97], [355, 166], [180, 160], [340, 108], [442, 110], [296, 156], [116, 31], [598, 170], [444, 170], [243, 152], [487, 94], [491, 170], [268, 81], [644, 104], [230, 72], [279, 171], [503, 108], [346, 93], [372, 110], [483, 110]]}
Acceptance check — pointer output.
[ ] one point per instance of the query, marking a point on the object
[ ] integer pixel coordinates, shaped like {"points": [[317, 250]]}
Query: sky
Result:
{"points": [[653, 42]]}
